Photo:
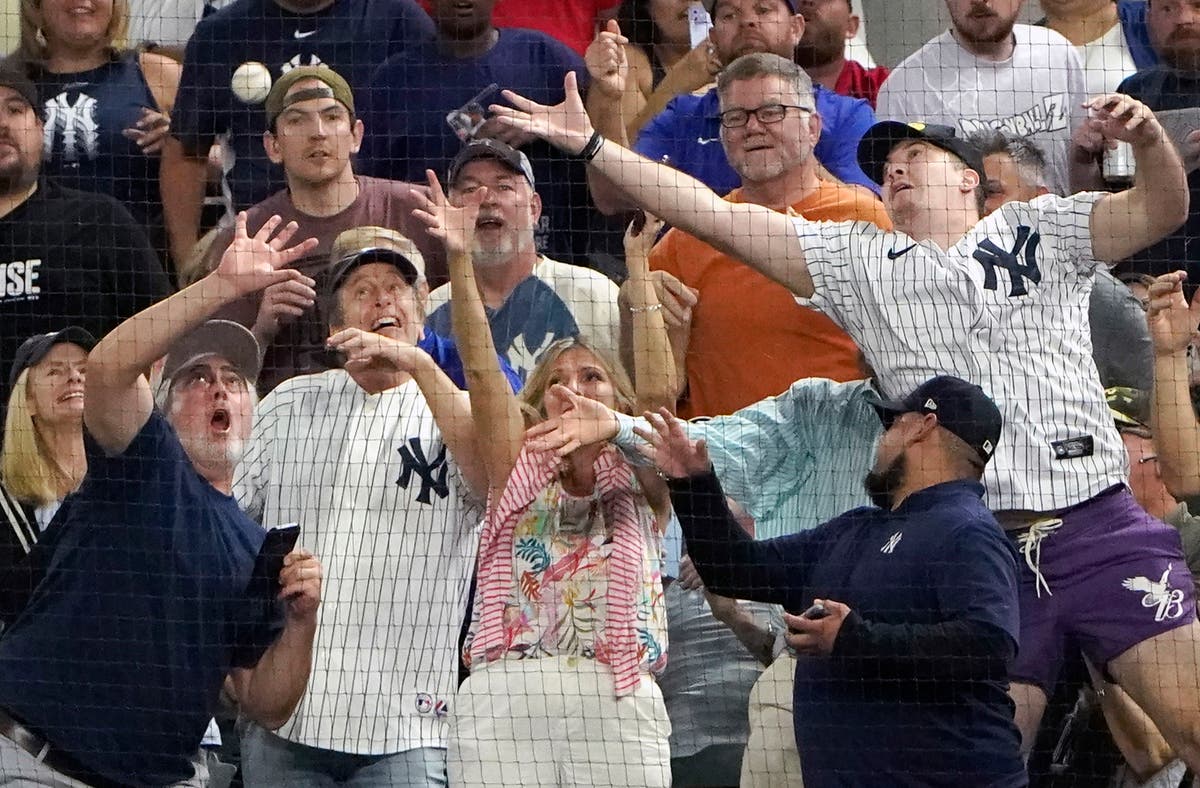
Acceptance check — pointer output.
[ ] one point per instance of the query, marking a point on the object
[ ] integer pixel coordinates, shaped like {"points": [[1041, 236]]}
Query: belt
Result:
{"points": [[45, 753]]}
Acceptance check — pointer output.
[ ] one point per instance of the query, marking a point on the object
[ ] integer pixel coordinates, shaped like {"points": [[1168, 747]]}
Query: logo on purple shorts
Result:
{"points": [[1169, 601]]}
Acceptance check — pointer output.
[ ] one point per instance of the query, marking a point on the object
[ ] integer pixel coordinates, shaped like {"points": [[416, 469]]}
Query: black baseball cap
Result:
{"points": [[961, 407], [34, 349], [881, 138], [490, 149], [16, 80]]}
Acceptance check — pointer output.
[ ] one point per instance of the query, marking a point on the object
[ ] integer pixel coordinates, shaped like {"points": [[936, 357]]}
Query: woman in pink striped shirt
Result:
{"points": [[569, 622]]}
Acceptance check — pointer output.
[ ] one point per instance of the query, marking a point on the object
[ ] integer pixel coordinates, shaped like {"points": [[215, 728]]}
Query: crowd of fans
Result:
{"points": [[874, 461]]}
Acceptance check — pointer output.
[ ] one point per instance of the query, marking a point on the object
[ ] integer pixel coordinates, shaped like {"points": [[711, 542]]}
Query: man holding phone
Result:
{"points": [[911, 619], [113, 670]]}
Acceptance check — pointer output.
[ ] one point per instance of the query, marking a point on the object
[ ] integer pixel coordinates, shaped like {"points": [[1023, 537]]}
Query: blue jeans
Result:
{"points": [[268, 760]]}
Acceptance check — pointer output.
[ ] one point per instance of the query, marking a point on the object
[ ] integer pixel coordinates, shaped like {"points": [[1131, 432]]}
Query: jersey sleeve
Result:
{"points": [[1068, 220], [841, 259]]}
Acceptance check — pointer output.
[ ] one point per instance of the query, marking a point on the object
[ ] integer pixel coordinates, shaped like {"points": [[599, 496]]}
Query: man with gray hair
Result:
{"points": [[1121, 347], [531, 300], [151, 604]]}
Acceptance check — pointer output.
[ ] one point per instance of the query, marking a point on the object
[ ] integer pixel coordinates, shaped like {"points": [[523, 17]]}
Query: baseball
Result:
{"points": [[251, 82]]}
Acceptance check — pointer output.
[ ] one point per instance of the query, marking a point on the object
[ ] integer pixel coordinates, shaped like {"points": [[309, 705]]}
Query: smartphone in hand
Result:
{"points": [[278, 542]]}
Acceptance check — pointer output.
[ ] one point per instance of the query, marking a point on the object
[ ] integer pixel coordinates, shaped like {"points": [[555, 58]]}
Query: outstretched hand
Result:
{"points": [[453, 225], [1115, 116], [253, 263], [1172, 320], [669, 448], [565, 126], [583, 422]]}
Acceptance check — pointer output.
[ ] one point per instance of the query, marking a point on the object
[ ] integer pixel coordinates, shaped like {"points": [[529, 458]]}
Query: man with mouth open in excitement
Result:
{"points": [[373, 460]]}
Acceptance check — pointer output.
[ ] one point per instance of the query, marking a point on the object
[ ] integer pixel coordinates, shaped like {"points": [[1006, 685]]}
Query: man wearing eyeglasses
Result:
{"points": [[748, 339]]}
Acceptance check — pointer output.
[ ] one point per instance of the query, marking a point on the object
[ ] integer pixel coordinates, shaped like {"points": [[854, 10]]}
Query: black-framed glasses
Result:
{"points": [[767, 113]]}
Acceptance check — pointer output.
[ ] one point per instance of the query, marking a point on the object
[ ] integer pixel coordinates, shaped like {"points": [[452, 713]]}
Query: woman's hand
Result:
{"points": [[669, 448], [640, 238], [453, 225], [607, 62], [150, 131]]}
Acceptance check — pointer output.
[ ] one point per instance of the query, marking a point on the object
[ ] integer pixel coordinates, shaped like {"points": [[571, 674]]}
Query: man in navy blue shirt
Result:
{"points": [[351, 36], [147, 606], [901, 676], [405, 112]]}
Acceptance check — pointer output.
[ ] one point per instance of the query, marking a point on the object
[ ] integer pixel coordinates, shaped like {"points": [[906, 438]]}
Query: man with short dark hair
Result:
{"points": [[909, 664], [313, 131], [828, 26], [66, 257], [147, 608], [232, 59]]}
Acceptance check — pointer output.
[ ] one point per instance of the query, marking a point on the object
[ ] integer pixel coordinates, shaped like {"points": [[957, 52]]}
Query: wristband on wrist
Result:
{"points": [[651, 308], [592, 147]]}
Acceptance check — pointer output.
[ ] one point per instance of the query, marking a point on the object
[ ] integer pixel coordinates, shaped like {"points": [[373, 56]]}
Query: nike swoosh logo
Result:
{"points": [[704, 141], [298, 34], [893, 254]]}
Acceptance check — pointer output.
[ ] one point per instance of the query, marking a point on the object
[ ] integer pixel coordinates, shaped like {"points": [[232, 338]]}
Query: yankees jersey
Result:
{"points": [[379, 501], [1005, 308], [1037, 92]]}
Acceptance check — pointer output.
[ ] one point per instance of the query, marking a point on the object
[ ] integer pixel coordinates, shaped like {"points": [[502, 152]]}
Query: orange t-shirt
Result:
{"points": [[749, 337]]}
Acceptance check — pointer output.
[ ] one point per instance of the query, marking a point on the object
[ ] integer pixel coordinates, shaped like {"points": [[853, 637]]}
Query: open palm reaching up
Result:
{"points": [[252, 263]]}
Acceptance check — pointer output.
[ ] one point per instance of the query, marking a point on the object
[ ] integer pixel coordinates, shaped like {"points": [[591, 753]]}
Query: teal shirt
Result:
{"points": [[797, 459]]}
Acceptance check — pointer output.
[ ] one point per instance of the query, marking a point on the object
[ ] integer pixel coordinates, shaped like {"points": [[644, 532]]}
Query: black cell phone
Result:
{"points": [[278, 542], [815, 613]]}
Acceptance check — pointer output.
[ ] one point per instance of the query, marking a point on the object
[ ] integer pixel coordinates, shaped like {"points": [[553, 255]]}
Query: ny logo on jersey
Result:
{"points": [[993, 257], [432, 474], [73, 123]]}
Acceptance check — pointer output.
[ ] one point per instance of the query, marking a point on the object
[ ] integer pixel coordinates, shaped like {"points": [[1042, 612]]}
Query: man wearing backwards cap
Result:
{"points": [[111, 673], [268, 39], [374, 461], [903, 681], [313, 131], [532, 301], [1002, 301]]}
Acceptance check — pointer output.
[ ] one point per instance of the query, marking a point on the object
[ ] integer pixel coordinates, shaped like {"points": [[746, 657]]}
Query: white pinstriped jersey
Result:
{"points": [[378, 501], [1006, 308]]}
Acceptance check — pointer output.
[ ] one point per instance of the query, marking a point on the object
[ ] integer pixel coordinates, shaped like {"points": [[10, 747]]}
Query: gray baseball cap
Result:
{"points": [[490, 149], [224, 338]]}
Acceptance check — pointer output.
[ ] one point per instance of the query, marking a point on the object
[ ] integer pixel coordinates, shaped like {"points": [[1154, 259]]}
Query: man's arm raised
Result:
{"points": [[118, 400], [763, 239], [1157, 204]]}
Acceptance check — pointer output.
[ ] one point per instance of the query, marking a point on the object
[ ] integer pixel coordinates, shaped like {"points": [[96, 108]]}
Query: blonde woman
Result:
{"points": [[107, 108], [42, 458], [569, 621]]}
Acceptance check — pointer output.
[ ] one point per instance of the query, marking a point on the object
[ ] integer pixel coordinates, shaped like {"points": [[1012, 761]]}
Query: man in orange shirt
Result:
{"points": [[747, 338]]}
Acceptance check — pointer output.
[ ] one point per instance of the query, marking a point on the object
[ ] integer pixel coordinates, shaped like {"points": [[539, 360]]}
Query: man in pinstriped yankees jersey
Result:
{"points": [[1002, 302]]}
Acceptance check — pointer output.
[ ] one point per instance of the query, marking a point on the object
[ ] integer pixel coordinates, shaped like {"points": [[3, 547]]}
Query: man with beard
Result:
{"points": [[66, 257], [828, 25], [987, 72], [531, 300], [901, 673], [1174, 86]]}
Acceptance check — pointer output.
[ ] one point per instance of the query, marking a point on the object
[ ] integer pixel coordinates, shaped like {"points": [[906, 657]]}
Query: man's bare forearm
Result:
{"points": [[182, 181], [1176, 430], [269, 692]]}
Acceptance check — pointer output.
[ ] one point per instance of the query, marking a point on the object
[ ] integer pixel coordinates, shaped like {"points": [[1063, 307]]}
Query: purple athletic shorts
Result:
{"points": [[1117, 576]]}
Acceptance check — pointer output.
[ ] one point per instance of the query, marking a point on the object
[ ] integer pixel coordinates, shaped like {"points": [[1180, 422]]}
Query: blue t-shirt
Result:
{"points": [[444, 352], [351, 36], [405, 130], [532, 318], [119, 657], [85, 147], [688, 135]]}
